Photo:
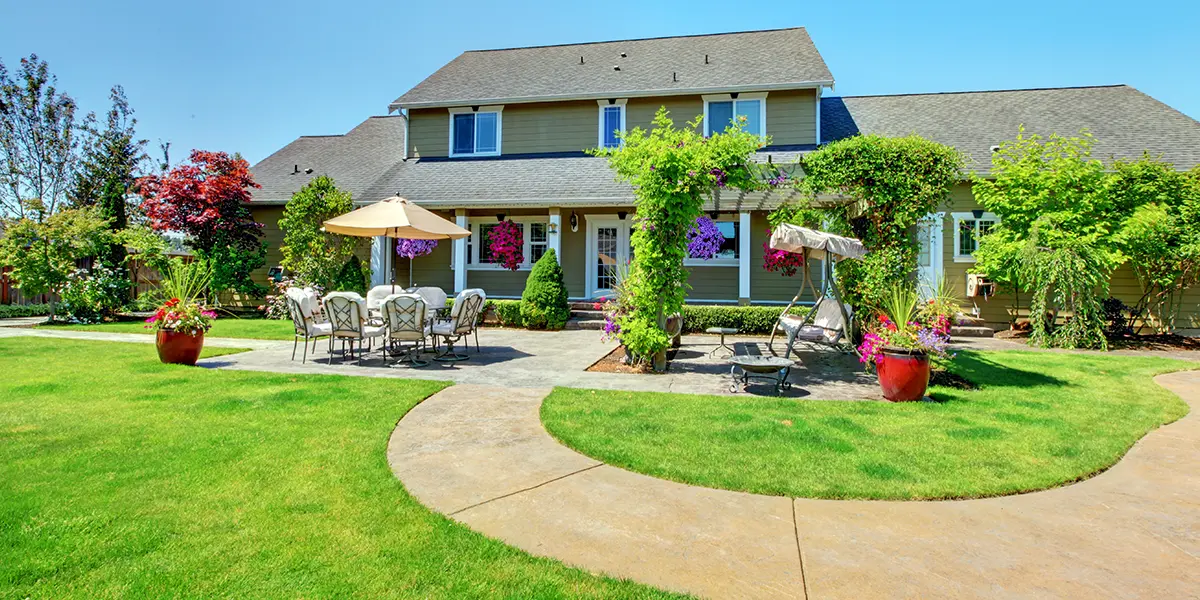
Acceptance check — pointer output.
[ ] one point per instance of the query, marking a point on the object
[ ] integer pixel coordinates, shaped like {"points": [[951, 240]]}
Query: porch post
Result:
{"points": [[555, 233], [460, 253], [743, 257]]}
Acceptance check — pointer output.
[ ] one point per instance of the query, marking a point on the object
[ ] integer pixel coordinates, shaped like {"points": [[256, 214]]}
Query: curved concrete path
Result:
{"points": [[480, 455]]}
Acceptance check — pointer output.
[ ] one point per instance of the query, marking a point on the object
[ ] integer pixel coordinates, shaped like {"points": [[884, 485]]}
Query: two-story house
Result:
{"points": [[502, 134]]}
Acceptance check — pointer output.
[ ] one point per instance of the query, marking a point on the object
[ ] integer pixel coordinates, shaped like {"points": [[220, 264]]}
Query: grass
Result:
{"points": [[228, 327], [124, 478], [1038, 420]]}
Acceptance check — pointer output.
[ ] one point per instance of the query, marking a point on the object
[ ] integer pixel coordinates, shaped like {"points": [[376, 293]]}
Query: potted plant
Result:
{"points": [[899, 346], [181, 320]]}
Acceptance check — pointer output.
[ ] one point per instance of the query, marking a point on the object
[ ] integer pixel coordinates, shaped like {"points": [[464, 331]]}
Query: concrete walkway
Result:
{"points": [[480, 455]]}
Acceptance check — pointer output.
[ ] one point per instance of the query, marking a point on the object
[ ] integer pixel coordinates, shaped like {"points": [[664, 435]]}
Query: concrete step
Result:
{"points": [[970, 331], [584, 305], [587, 314], [594, 324], [969, 321]]}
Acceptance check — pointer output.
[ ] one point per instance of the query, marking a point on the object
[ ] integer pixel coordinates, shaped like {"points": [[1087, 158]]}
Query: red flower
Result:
{"points": [[173, 302]]}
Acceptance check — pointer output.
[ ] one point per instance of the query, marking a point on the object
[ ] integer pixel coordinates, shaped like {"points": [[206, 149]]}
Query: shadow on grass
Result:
{"points": [[985, 372]]}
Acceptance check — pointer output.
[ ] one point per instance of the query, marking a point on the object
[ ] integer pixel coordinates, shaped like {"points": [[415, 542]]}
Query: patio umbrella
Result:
{"points": [[810, 242], [395, 217]]}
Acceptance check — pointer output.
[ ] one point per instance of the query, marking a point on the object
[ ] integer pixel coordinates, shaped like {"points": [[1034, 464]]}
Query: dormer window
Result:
{"points": [[612, 120], [475, 131], [721, 110]]}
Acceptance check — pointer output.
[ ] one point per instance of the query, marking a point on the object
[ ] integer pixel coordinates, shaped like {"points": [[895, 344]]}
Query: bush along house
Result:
{"points": [[501, 135]]}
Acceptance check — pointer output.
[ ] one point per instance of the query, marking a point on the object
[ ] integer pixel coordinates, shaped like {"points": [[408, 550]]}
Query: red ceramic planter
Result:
{"points": [[178, 348], [903, 374]]}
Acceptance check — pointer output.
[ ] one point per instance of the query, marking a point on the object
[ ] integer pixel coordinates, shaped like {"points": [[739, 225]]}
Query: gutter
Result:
{"points": [[397, 105]]}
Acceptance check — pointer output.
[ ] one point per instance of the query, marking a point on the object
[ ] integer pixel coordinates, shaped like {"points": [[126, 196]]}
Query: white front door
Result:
{"points": [[607, 249], [929, 254]]}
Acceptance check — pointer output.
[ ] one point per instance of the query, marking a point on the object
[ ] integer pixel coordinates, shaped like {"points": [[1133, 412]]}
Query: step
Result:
{"points": [[969, 321], [971, 331], [594, 324], [587, 314], [584, 305]]}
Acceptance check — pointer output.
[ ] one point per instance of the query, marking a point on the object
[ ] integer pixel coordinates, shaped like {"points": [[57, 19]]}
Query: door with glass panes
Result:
{"points": [[608, 253]]}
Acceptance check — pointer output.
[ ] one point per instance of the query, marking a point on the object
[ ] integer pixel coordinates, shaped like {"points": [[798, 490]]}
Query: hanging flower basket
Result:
{"points": [[705, 239], [507, 245], [411, 249], [781, 261]]}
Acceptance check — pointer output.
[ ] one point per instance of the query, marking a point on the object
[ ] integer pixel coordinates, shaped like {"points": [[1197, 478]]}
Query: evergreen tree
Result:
{"points": [[544, 302]]}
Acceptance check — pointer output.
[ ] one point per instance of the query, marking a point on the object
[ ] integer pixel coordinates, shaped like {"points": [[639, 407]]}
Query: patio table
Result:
{"points": [[770, 368]]}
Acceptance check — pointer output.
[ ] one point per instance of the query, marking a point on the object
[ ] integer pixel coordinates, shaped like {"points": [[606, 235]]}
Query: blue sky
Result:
{"points": [[250, 77]]}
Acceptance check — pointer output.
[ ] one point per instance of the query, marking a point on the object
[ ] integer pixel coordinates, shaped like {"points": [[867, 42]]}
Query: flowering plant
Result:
{"points": [[780, 261], [411, 249], [898, 326], [704, 239], [276, 306], [507, 244], [181, 317]]}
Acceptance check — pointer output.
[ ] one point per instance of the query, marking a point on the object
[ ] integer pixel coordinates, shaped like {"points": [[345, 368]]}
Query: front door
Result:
{"points": [[929, 254], [608, 250]]}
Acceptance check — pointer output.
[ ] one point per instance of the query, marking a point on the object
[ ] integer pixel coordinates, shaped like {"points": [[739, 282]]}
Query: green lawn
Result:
{"points": [[124, 478], [1038, 420], [230, 327]]}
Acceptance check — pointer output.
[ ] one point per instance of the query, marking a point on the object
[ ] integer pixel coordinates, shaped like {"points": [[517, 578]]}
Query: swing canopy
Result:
{"points": [[817, 244]]}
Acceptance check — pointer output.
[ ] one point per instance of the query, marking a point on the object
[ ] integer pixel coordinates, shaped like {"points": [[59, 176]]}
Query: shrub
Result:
{"points": [[351, 277], [90, 296], [12, 311], [544, 303], [508, 312], [746, 319]]}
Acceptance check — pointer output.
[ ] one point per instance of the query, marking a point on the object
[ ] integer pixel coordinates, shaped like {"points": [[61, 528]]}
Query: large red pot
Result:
{"points": [[903, 374], [177, 348]]}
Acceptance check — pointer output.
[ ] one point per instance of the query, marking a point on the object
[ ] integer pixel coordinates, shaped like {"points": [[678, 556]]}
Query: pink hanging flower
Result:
{"points": [[507, 244], [780, 261]]}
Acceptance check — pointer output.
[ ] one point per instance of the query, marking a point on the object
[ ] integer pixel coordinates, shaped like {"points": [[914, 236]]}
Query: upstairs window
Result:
{"points": [[969, 229], [612, 120], [475, 133], [722, 110]]}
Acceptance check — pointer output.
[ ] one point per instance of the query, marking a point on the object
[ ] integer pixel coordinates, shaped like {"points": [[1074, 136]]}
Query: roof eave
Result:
{"points": [[792, 85]]}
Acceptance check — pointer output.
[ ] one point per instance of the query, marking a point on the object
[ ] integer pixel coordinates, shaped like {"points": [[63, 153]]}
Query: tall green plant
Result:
{"points": [[42, 252], [544, 301], [187, 281], [1065, 282], [672, 171], [312, 255]]}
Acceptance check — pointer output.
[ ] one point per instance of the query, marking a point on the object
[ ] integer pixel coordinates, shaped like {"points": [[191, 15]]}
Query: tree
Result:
{"points": [[313, 255], [108, 168], [43, 252], [672, 171], [206, 199], [1161, 236], [37, 141], [894, 182], [544, 302]]}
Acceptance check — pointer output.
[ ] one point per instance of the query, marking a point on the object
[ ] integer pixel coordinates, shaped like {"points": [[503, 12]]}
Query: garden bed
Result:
{"points": [[613, 362]]}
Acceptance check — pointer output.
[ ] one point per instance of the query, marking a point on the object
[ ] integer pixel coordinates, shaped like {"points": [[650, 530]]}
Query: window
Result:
{"points": [[722, 110], [729, 254], [534, 231], [612, 120], [474, 133], [969, 229]]}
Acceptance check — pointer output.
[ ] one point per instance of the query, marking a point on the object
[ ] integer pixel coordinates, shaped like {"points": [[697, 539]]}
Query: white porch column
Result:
{"points": [[460, 253], [555, 233], [743, 258], [381, 263]]}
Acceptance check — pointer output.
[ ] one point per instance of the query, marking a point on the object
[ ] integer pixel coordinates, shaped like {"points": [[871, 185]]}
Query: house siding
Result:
{"points": [[550, 127], [713, 283], [429, 132], [767, 286], [792, 117]]}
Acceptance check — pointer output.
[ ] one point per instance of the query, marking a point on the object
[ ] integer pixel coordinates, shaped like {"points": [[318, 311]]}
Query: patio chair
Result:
{"points": [[435, 297], [376, 295], [824, 325], [404, 317], [347, 312], [479, 318], [302, 307], [461, 323]]}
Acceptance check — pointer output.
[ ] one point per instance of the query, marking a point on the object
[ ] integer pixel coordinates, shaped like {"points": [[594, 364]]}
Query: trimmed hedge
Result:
{"points": [[746, 319], [9, 311], [507, 311]]}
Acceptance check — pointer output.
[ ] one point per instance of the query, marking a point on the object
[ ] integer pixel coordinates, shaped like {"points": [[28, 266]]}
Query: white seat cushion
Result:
{"points": [[370, 331], [316, 329], [444, 328]]}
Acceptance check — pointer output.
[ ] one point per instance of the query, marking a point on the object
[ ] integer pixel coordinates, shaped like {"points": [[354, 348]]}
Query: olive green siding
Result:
{"points": [[713, 283], [550, 127], [574, 254], [272, 236], [574, 125], [428, 132], [435, 269], [767, 286]]}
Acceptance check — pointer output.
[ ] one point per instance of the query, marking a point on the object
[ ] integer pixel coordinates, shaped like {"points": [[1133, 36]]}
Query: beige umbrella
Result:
{"points": [[395, 217]]}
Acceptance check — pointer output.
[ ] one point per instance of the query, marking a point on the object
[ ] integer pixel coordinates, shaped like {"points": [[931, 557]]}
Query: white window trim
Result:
{"points": [[600, 126], [762, 107], [473, 224], [498, 109], [720, 262], [958, 218]]}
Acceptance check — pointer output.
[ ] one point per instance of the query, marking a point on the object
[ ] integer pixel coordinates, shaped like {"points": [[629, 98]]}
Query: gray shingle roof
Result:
{"points": [[354, 160], [657, 66], [1124, 121]]}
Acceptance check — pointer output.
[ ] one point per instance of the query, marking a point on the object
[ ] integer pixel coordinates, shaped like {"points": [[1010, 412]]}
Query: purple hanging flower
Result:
{"points": [[704, 239], [411, 249]]}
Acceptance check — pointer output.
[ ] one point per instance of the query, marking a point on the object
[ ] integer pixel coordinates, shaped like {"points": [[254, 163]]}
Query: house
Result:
{"points": [[501, 134]]}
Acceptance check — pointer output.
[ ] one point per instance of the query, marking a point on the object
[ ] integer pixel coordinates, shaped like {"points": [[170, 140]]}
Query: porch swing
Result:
{"points": [[828, 323]]}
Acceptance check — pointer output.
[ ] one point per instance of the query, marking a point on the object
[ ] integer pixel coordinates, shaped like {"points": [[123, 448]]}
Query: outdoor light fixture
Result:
{"points": [[621, 214], [574, 222], [553, 227], [714, 215], [977, 213], [499, 217]]}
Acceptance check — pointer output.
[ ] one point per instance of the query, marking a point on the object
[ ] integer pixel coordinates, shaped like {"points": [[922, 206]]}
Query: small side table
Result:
{"points": [[769, 368], [722, 331]]}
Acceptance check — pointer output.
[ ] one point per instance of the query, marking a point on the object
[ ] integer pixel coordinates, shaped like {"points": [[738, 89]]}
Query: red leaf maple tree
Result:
{"points": [[205, 199]]}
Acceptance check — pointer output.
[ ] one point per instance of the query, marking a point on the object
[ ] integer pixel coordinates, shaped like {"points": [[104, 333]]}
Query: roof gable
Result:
{"points": [[647, 67]]}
